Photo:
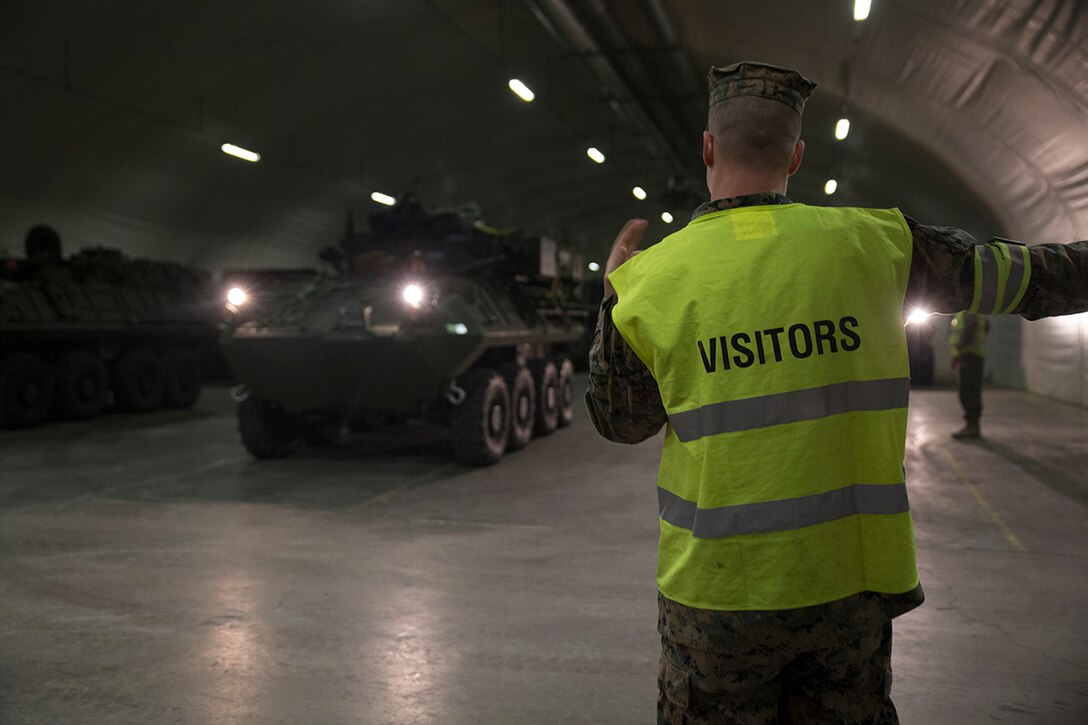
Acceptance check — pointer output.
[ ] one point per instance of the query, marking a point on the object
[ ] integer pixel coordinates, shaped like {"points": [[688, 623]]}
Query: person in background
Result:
{"points": [[767, 338], [967, 339]]}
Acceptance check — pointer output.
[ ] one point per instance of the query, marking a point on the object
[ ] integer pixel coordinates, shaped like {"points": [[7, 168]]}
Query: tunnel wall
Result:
{"points": [[1055, 357], [1004, 348]]}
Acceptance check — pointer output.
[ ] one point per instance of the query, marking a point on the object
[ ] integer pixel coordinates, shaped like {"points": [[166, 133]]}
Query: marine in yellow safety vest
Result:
{"points": [[967, 339], [767, 338]]}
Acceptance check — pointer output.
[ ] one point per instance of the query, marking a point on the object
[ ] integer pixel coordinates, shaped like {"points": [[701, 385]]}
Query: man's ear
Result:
{"points": [[708, 149], [798, 154]]}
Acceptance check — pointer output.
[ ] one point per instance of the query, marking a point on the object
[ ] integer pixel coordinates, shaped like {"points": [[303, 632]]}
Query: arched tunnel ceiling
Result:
{"points": [[966, 112]]}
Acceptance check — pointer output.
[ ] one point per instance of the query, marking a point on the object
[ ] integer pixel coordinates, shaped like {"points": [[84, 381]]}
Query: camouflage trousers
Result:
{"points": [[823, 671]]}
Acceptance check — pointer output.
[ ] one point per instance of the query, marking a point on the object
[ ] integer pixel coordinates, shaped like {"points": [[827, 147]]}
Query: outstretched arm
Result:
{"points": [[951, 272]]}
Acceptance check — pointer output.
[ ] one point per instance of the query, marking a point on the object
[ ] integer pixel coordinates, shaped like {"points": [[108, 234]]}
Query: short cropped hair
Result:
{"points": [[755, 132]]}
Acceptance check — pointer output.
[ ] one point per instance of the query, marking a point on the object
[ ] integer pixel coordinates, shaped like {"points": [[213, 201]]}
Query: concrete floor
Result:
{"points": [[151, 572]]}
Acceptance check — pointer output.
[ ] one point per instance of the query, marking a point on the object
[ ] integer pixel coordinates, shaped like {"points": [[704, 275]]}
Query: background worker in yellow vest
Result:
{"points": [[967, 339], [767, 337]]}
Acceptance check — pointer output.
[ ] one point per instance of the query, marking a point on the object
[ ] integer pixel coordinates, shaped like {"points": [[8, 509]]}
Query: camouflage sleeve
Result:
{"points": [[942, 274], [623, 400], [1059, 281]]}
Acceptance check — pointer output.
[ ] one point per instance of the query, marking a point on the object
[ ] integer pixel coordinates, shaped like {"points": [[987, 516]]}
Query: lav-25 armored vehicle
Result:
{"points": [[78, 333], [434, 316]]}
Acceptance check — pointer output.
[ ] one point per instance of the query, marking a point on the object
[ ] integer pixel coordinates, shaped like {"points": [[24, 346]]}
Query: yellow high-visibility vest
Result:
{"points": [[977, 343], [776, 337]]}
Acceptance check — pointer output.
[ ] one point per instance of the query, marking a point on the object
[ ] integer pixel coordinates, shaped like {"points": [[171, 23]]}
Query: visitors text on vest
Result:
{"points": [[744, 349]]}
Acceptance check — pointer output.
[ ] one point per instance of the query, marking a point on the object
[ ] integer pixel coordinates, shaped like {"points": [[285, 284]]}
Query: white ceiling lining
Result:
{"points": [[1005, 123]]}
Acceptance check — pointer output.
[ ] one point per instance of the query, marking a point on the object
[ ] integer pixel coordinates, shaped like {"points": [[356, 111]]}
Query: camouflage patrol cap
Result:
{"points": [[749, 78]]}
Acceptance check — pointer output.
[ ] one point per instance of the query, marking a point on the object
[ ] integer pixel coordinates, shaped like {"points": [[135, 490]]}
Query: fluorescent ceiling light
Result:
{"points": [[861, 9], [639, 193], [842, 128], [666, 217], [593, 153], [593, 267], [521, 90], [830, 186], [241, 153], [383, 198]]}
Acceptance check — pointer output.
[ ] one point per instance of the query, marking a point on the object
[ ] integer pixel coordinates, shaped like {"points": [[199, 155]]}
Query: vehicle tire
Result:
{"points": [[183, 378], [138, 380], [267, 431], [546, 380], [480, 425], [26, 390], [519, 381], [565, 391], [82, 384]]}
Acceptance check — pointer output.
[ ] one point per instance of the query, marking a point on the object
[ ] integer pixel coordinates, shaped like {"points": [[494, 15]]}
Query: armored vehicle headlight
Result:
{"points": [[237, 296], [413, 295], [917, 316]]}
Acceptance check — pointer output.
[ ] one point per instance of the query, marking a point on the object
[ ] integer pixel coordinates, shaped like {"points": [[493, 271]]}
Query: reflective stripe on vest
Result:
{"points": [[791, 407], [1002, 273], [776, 338], [791, 513]]}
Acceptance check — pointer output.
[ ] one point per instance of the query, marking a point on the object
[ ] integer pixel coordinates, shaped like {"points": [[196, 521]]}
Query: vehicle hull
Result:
{"points": [[345, 373]]}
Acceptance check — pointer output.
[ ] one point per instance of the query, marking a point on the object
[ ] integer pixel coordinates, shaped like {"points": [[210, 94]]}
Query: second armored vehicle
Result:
{"points": [[99, 329], [434, 316]]}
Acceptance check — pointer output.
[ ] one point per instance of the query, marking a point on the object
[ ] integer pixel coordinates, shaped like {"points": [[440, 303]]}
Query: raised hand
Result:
{"points": [[625, 247]]}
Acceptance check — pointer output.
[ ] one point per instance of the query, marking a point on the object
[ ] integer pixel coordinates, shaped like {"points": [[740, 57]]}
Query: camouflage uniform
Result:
{"points": [[719, 666], [829, 663]]}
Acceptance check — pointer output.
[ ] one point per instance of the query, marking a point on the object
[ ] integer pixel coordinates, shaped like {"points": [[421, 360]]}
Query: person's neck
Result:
{"points": [[740, 183]]}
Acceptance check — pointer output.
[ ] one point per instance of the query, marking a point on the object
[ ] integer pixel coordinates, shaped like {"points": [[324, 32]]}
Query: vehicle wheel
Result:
{"points": [[481, 423], [183, 378], [26, 390], [267, 431], [519, 381], [546, 380], [565, 391], [138, 380], [82, 384]]}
